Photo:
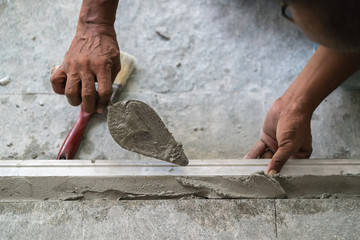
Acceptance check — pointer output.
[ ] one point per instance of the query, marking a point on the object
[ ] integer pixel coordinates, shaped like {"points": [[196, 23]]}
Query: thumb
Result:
{"points": [[279, 159]]}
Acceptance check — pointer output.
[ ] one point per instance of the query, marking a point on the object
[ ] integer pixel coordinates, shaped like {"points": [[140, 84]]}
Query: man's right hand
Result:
{"points": [[93, 56]]}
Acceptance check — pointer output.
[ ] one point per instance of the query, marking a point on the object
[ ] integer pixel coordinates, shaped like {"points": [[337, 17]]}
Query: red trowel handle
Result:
{"points": [[73, 139]]}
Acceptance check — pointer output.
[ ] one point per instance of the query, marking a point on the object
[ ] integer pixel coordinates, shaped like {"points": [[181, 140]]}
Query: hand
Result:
{"points": [[286, 134], [93, 56]]}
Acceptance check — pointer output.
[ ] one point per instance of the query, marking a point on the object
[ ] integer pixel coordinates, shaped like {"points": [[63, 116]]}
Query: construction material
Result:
{"points": [[135, 126], [154, 179]]}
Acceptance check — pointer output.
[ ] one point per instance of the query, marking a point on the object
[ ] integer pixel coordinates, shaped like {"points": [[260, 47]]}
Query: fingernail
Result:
{"points": [[54, 69], [101, 110], [272, 172]]}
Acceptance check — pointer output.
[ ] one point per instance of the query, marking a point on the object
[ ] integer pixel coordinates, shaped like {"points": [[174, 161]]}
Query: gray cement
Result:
{"points": [[154, 179], [181, 219], [211, 81], [135, 126], [255, 186]]}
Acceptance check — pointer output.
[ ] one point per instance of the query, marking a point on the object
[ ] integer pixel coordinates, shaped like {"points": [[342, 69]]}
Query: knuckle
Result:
{"points": [[83, 61], [71, 62], [56, 79], [105, 92], [86, 76], [88, 94], [103, 62], [71, 94], [116, 54]]}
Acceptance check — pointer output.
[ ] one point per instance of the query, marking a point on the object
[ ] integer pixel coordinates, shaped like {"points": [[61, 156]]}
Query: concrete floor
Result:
{"points": [[182, 219], [212, 82]]}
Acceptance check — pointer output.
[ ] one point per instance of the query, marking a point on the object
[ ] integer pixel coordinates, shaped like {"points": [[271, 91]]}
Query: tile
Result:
{"points": [[41, 220], [180, 219], [318, 219]]}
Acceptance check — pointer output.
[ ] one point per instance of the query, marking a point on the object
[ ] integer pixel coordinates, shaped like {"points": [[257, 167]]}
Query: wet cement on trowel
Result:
{"points": [[135, 126]]}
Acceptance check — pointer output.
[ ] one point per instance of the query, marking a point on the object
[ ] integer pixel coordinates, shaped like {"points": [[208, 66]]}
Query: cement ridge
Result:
{"points": [[131, 180]]}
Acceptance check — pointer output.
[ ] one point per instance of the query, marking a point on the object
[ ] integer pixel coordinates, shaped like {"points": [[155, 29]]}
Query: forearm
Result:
{"points": [[97, 13], [324, 72], [93, 56]]}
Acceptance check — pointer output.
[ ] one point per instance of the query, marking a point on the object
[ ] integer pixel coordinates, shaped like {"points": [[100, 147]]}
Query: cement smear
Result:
{"points": [[135, 126], [257, 185]]}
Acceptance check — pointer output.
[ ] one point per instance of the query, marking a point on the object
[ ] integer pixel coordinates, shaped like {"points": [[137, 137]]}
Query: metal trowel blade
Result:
{"points": [[135, 126]]}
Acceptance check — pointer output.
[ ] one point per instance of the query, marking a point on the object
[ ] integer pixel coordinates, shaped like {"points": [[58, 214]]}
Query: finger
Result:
{"points": [[301, 155], [271, 143], [256, 151], [267, 154], [88, 93], [58, 81], [279, 159], [54, 69], [104, 88], [304, 152], [72, 89]]}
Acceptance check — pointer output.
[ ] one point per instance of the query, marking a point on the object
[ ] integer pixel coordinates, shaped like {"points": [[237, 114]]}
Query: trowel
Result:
{"points": [[133, 124]]}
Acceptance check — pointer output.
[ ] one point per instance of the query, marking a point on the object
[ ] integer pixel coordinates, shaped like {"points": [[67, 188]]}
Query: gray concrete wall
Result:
{"points": [[212, 82]]}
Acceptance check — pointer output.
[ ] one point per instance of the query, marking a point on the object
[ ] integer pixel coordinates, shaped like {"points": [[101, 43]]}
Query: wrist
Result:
{"points": [[297, 104], [97, 15], [95, 29], [324, 72]]}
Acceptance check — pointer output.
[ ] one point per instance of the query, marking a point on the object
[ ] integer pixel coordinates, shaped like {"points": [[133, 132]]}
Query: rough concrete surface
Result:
{"points": [[210, 69], [41, 220], [181, 219], [187, 219], [318, 219], [193, 219]]}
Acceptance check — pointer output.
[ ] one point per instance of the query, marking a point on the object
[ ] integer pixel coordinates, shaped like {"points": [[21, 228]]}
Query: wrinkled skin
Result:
{"points": [[286, 130], [93, 56], [286, 134]]}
